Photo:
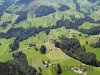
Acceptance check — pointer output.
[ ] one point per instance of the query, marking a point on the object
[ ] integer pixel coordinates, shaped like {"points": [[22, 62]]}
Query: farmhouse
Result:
{"points": [[79, 70]]}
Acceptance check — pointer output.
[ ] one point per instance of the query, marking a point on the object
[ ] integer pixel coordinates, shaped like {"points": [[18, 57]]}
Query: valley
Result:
{"points": [[31, 33]]}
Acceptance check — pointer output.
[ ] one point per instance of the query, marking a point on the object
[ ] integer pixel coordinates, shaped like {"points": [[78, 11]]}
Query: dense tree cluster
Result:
{"points": [[75, 23], [10, 69], [20, 33], [1, 13], [22, 16], [0, 44], [59, 69], [98, 21], [91, 31], [64, 8], [77, 5], [72, 47], [14, 46], [24, 1], [5, 4], [23, 34], [44, 11], [2, 34], [5, 24], [47, 30], [18, 66], [92, 1], [43, 49]]}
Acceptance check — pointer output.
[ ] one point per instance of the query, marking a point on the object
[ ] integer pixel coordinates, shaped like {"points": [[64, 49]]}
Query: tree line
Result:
{"points": [[24, 33], [18, 66], [72, 47], [91, 31]]}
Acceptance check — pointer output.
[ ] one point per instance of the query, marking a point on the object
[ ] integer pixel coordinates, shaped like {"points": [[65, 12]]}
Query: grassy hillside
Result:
{"points": [[40, 22]]}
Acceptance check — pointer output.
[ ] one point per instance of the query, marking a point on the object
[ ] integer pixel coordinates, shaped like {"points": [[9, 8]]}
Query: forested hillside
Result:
{"points": [[49, 37]]}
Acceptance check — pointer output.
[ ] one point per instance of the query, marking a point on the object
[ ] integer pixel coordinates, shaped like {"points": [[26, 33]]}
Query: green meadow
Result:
{"points": [[53, 54]]}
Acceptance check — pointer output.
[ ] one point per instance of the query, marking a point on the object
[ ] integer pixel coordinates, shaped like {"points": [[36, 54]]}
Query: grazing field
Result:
{"points": [[36, 29], [55, 53], [5, 49], [67, 66], [88, 25]]}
